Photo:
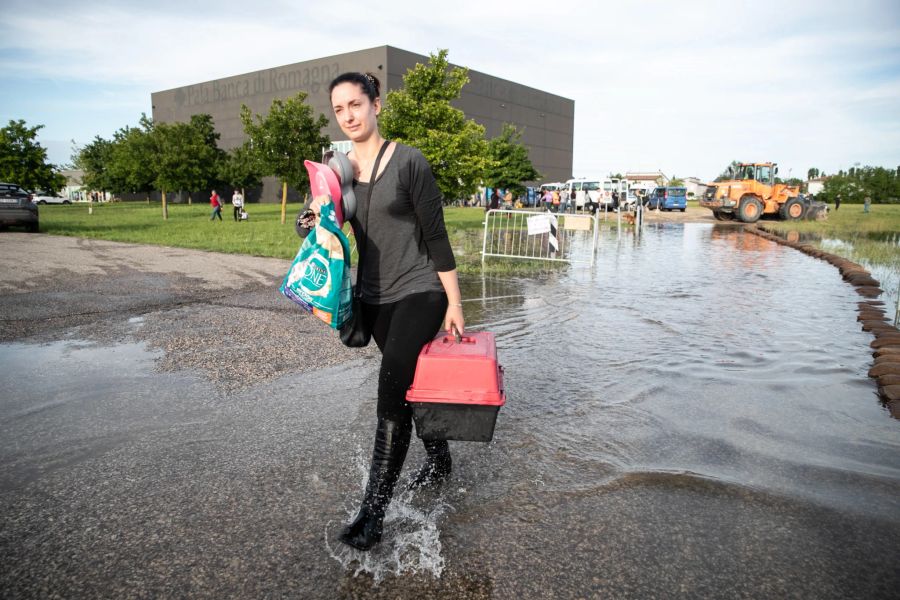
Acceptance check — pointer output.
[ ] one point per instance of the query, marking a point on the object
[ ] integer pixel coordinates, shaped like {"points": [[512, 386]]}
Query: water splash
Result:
{"points": [[411, 543]]}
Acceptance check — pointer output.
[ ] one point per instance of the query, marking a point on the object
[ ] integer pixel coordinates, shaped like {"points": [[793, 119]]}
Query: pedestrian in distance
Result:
{"points": [[408, 283], [866, 204], [494, 204], [837, 202], [547, 199], [216, 204], [237, 200]]}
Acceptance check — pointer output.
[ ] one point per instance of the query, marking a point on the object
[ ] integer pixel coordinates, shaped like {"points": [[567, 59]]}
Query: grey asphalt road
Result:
{"points": [[171, 427]]}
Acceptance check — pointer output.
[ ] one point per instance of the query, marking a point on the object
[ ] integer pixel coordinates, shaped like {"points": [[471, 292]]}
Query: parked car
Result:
{"points": [[654, 197], [16, 207], [42, 197], [667, 198]]}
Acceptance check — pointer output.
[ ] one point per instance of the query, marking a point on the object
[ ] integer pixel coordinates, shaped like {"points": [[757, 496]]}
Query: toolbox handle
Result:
{"points": [[459, 337]]}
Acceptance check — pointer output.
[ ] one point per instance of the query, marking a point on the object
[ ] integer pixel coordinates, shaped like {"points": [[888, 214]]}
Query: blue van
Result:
{"points": [[667, 198]]}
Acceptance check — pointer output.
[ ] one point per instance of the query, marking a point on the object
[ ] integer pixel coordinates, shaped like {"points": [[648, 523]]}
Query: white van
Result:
{"points": [[610, 185], [587, 193]]}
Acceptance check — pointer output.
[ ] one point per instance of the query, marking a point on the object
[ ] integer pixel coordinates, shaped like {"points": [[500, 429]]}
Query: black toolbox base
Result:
{"points": [[459, 422]]}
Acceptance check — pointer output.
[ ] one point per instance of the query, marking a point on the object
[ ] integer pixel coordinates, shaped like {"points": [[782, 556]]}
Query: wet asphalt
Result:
{"points": [[171, 427]]}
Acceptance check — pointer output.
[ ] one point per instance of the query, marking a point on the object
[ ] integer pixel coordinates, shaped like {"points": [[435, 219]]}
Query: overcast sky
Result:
{"points": [[684, 87]]}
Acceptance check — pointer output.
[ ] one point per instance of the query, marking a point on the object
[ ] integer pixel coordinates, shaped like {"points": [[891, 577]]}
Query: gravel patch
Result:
{"points": [[218, 314]]}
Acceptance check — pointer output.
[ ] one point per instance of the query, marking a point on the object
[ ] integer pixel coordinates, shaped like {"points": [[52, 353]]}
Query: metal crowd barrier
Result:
{"points": [[540, 235]]}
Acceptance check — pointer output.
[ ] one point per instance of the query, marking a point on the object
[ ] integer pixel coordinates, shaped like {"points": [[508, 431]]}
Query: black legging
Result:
{"points": [[401, 329]]}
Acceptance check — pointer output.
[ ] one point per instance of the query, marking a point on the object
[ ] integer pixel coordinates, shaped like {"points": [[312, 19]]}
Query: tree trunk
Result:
{"points": [[283, 200], [165, 207]]}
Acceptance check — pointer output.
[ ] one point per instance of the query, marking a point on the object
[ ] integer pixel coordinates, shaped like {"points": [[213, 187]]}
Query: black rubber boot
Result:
{"points": [[391, 444], [437, 465]]}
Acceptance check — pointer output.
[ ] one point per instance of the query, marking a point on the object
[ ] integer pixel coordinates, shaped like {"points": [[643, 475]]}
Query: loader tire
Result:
{"points": [[749, 209], [793, 210]]}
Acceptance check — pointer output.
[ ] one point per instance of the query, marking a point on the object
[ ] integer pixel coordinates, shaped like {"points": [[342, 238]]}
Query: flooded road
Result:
{"points": [[692, 417]]}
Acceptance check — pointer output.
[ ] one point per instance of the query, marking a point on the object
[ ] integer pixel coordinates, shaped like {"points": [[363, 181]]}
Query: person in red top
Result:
{"points": [[217, 206]]}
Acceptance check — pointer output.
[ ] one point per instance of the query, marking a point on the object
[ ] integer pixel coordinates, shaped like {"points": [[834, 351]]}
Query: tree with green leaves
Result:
{"points": [[280, 141], [420, 115], [133, 159], [204, 147], [94, 160], [239, 169], [812, 173], [878, 183], [676, 181], [509, 166], [188, 156], [23, 160]]}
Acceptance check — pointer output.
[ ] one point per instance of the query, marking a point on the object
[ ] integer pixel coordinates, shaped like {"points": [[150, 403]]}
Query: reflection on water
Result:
{"points": [[877, 257], [691, 349], [697, 381], [888, 237]]}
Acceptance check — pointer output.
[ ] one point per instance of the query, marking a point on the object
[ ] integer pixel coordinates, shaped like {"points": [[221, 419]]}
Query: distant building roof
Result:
{"points": [[645, 176]]}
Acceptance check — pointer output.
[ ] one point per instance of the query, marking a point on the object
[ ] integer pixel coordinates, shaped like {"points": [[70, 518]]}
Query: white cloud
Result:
{"points": [[684, 87]]}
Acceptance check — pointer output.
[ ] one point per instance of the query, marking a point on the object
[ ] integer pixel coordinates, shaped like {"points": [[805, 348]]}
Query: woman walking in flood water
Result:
{"points": [[408, 283]]}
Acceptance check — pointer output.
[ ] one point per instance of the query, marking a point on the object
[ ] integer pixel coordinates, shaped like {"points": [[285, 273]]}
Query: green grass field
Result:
{"points": [[849, 221], [872, 237], [188, 226]]}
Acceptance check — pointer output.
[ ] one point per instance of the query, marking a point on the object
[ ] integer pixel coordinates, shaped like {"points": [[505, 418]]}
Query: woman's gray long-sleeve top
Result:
{"points": [[402, 234]]}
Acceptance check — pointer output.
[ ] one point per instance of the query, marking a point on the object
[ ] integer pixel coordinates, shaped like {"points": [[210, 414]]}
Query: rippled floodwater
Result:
{"points": [[689, 418], [885, 271], [708, 364]]}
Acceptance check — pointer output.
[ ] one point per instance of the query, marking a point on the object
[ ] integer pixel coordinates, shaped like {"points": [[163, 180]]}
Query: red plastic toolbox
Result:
{"points": [[458, 388]]}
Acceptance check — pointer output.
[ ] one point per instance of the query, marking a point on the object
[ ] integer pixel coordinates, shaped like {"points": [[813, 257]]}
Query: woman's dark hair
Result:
{"points": [[370, 85]]}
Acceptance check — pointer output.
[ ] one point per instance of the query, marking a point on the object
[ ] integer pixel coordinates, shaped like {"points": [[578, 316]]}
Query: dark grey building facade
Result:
{"points": [[546, 120]]}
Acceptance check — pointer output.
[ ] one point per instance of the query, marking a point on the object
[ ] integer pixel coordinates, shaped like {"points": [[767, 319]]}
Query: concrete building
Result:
{"points": [[696, 187], [75, 191], [645, 182], [816, 186], [545, 120]]}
